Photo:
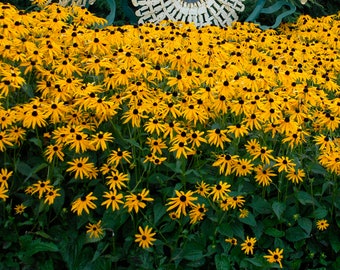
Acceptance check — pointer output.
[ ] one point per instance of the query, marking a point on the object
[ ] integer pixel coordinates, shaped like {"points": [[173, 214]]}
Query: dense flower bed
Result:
{"points": [[167, 146]]}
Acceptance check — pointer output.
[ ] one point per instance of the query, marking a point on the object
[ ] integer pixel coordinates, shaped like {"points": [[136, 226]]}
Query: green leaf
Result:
{"points": [[249, 220], [93, 239], [279, 208], [223, 229], [30, 246], [295, 234], [222, 262], [305, 198], [326, 186], [254, 261], [260, 205], [320, 213], [238, 230], [134, 143], [46, 264], [36, 141], [306, 224], [159, 211], [274, 232], [39, 167], [44, 235], [334, 241], [24, 168]]}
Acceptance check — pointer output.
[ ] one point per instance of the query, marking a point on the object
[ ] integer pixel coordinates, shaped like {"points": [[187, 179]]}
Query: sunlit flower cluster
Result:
{"points": [[120, 106]]}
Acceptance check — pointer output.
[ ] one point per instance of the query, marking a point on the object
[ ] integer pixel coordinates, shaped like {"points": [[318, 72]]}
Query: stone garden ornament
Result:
{"points": [[200, 12]]}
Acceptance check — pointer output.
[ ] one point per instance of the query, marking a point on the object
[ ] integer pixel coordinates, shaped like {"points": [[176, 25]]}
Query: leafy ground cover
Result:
{"points": [[167, 146]]}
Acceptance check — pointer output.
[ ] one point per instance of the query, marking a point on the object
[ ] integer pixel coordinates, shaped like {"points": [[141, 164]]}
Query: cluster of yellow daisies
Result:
{"points": [[141, 98]]}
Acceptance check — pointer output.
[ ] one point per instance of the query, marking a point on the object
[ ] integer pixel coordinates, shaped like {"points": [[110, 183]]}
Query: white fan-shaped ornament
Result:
{"points": [[200, 12], [81, 3]]}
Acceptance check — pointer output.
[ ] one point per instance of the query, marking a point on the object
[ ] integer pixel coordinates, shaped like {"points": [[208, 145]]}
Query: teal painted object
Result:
{"points": [[111, 17], [269, 10]]}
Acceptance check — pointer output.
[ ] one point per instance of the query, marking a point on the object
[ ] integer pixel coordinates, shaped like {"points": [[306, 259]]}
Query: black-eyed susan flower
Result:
{"points": [[226, 163], [3, 192], [145, 237], [113, 199], [275, 256], [16, 134], [19, 209], [100, 140], [181, 149], [84, 203], [53, 151], [95, 230], [42, 187], [263, 175], [116, 180], [238, 130], [284, 164], [5, 141], [82, 168], [324, 142], [78, 141], [51, 195], [231, 240], [248, 245], [118, 156], [196, 138], [220, 191], [236, 201], [218, 137], [137, 201], [296, 175], [253, 146], [156, 145], [243, 213], [243, 167], [264, 154], [197, 213], [33, 117], [4, 176], [203, 188], [181, 202], [322, 224]]}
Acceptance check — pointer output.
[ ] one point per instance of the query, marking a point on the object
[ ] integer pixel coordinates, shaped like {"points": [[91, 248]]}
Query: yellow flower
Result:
{"points": [[322, 224], [220, 191], [113, 199], [51, 195], [3, 194], [296, 176], [135, 202], [275, 256], [117, 156], [4, 176], [95, 230], [82, 168], [248, 245], [181, 201], [42, 187], [243, 213], [19, 209], [232, 241], [145, 237], [197, 213], [203, 188], [84, 203]]}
